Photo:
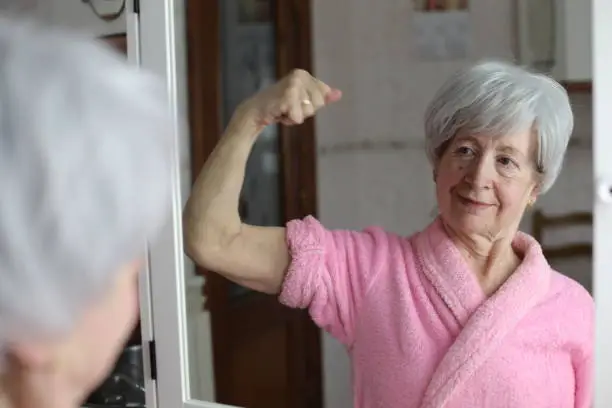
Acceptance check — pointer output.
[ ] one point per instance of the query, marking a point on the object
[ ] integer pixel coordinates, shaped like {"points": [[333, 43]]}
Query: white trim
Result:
{"points": [[162, 50], [144, 282], [602, 256], [157, 34], [147, 335]]}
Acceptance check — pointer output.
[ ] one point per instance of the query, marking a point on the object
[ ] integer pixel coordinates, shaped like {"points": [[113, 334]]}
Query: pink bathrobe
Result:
{"points": [[420, 331]]}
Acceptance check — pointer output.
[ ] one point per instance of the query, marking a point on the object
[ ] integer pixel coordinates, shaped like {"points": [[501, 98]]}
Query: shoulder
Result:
{"points": [[573, 307], [310, 233], [569, 292]]}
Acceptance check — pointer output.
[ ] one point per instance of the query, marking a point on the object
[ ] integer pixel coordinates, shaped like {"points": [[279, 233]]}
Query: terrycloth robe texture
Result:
{"points": [[421, 332]]}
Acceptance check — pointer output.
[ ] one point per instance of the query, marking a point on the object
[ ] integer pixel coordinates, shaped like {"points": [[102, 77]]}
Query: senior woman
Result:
{"points": [[467, 312], [84, 179]]}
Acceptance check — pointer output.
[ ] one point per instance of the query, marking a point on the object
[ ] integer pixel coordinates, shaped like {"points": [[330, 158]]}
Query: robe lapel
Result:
{"points": [[448, 273], [488, 325]]}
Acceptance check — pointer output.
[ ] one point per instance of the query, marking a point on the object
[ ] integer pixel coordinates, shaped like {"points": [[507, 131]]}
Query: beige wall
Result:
{"points": [[366, 48]]}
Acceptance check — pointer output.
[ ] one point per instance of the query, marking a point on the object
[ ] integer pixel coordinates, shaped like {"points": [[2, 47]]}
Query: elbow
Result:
{"points": [[206, 243], [199, 244], [195, 247]]}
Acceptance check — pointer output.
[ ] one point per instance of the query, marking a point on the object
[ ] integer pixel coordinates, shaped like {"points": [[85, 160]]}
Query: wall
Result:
{"points": [[77, 15], [371, 164], [574, 27], [572, 192]]}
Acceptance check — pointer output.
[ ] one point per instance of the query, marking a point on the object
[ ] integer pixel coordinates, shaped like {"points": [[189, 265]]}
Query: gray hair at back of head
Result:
{"points": [[497, 98], [85, 155]]}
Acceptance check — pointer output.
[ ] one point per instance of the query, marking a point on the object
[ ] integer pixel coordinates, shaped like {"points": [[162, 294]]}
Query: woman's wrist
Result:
{"points": [[244, 123]]}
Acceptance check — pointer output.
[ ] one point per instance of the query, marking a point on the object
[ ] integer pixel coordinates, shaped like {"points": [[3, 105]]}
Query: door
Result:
{"points": [[602, 251], [235, 48]]}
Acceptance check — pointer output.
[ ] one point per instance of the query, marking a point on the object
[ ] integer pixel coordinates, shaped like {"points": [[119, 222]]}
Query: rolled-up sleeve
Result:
{"points": [[331, 271]]}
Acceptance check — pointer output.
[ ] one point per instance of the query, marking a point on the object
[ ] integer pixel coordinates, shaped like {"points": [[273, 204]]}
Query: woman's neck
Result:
{"points": [[491, 261]]}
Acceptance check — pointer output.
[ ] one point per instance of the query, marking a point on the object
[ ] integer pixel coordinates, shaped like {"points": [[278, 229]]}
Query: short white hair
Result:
{"points": [[497, 98], [85, 142]]}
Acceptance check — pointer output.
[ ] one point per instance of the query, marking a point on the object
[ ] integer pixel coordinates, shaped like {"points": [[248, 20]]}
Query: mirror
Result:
{"points": [[242, 348]]}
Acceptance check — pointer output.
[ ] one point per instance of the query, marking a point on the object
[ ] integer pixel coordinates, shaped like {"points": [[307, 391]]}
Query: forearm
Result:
{"points": [[215, 238], [211, 218]]}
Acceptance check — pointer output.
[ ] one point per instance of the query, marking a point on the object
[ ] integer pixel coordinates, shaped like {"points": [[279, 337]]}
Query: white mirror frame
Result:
{"points": [[161, 41], [602, 236], [162, 50], [144, 280]]}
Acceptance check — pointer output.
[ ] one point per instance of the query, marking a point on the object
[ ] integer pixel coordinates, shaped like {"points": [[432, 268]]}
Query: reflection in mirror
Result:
{"points": [[465, 295]]}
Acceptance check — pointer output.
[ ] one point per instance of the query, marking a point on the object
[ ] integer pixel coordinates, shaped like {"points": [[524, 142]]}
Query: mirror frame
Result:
{"points": [[602, 231], [162, 50]]}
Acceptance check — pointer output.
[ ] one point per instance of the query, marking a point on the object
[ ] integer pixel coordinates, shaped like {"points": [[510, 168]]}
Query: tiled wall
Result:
{"points": [[573, 192], [371, 164]]}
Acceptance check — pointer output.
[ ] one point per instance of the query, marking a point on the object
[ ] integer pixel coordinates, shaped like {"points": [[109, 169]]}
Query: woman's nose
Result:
{"points": [[480, 173]]}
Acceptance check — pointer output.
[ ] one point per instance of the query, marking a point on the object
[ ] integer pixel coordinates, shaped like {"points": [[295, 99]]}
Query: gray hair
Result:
{"points": [[85, 142], [498, 98]]}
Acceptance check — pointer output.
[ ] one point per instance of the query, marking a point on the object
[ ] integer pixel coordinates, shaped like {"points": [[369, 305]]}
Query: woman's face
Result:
{"points": [[484, 183], [61, 373]]}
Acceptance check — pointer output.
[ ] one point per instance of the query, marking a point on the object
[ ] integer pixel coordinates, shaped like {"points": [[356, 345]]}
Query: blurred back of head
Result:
{"points": [[85, 149]]}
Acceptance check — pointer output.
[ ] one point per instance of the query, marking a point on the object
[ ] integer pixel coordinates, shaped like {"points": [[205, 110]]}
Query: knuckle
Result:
{"points": [[294, 82], [299, 76], [290, 92], [299, 73]]}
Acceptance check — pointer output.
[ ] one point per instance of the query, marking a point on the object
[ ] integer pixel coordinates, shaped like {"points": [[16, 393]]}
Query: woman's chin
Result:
{"points": [[468, 223]]}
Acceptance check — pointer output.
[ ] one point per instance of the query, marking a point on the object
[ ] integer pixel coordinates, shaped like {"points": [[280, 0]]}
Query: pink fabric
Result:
{"points": [[420, 331]]}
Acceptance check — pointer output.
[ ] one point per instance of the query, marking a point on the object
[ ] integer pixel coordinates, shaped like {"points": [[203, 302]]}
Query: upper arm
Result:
{"points": [[254, 257], [330, 272]]}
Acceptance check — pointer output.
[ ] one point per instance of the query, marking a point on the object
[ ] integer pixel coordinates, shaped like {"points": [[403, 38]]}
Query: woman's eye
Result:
{"points": [[505, 161], [464, 151]]}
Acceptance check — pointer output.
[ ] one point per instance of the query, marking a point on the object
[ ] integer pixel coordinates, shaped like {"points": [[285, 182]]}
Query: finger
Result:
{"points": [[286, 121], [295, 112], [334, 95], [317, 99], [308, 108], [330, 95]]}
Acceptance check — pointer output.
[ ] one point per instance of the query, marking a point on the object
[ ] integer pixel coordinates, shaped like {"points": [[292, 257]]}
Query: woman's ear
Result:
{"points": [[533, 196]]}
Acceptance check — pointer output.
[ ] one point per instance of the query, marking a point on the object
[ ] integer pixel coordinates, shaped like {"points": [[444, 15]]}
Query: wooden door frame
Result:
{"points": [[297, 147]]}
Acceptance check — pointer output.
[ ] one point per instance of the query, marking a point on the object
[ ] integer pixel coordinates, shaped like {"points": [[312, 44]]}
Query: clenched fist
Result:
{"points": [[291, 100]]}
